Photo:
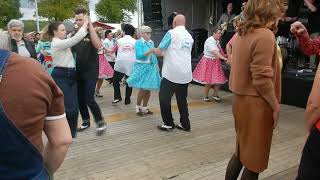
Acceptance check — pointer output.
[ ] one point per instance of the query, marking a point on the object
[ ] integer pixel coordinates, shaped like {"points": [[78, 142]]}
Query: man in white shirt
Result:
{"points": [[176, 48], [126, 58]]}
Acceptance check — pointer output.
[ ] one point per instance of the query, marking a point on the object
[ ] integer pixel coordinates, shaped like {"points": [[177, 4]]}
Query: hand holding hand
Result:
{"points": [[157, 51], [86, 21]]}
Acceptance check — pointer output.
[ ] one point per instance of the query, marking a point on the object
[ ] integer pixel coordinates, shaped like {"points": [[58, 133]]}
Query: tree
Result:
{"points": [[31, 26], [59, 10], [9, 10], [115, 11]]}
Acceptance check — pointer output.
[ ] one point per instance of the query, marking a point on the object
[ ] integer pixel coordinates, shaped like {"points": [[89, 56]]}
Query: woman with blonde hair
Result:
{"points": [[236, 22], [145, 73], [255, 82]]}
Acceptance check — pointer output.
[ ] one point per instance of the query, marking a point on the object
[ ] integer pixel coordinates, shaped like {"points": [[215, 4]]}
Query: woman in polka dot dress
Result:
{"points": [[145, 73], [105, 69], [209, 70]]}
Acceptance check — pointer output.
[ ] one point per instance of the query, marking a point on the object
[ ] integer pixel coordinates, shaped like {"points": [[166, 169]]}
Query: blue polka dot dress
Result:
{"points": [[145, 73]]}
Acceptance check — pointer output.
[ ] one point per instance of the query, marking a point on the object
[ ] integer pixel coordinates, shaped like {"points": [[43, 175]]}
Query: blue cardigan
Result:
{"points": [[142, 47]]}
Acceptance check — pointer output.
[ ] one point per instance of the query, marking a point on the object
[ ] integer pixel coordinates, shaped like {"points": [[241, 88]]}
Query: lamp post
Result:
{"points": [[138, 11], [37, 15]]}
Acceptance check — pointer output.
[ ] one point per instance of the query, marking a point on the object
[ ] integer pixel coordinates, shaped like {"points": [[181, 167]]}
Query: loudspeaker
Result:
{"points": [[199, 36], [152, 13]]}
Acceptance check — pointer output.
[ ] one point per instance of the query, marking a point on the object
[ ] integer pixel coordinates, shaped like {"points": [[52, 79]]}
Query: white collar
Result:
{"points": [[180, 27], [144, 41]]}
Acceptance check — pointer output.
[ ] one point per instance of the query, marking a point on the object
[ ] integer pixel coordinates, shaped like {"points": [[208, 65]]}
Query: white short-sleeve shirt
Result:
{"points": [[210, 46], [111, 57], [126, 56]]}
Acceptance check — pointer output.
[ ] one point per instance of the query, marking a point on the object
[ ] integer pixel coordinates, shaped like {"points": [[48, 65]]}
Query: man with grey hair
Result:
{"points": [[22, 120], [19, 44]]}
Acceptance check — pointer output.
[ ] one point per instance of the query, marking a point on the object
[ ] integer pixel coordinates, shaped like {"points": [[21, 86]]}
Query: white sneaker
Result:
{"points": [[216, 98], [206, 99]]}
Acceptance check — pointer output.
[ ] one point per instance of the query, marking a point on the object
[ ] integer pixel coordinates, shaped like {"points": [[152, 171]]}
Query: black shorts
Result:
{"points": [[309, 168]]}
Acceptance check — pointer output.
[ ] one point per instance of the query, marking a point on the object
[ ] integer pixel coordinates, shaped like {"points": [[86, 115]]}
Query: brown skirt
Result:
{"points": [[254, 128]]}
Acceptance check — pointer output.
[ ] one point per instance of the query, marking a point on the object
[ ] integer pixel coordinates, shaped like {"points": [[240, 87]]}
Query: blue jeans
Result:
{"points": [[65, 78], [86, 90]]}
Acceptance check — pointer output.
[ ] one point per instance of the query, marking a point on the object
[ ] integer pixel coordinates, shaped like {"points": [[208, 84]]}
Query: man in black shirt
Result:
{"points": [[87, 66], [313, 23]]}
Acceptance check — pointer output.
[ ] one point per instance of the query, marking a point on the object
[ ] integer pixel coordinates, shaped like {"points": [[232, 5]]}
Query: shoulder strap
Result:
{"points": [[4, 56]]}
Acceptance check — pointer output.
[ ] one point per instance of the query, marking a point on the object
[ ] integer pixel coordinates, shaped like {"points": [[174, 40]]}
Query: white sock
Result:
{"points": [[138, 108], [144, 109]]}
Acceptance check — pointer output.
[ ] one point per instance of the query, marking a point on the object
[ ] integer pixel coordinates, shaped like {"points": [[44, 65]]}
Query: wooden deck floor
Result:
{"points": [[133, 148]]}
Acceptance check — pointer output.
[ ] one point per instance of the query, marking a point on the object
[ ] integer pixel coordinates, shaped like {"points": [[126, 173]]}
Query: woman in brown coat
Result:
{"points": [[255, 82]]}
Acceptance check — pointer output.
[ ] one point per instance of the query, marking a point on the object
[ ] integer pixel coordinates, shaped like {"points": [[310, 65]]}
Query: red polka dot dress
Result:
{"points": [[209, 69]]}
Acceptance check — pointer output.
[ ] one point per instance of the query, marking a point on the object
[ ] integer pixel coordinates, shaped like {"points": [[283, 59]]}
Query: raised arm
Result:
{"points": [[309, 46], [310, 6], [68, 43], [95, 40]]}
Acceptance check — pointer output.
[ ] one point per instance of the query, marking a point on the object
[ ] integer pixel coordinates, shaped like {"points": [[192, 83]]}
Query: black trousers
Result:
{"points": [[116, 86], [309, 168], [86, 89], [167, 89], [112, 65]]}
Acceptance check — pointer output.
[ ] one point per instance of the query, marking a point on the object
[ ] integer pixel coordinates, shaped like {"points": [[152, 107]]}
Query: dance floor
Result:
{"points": [[134, 149]]}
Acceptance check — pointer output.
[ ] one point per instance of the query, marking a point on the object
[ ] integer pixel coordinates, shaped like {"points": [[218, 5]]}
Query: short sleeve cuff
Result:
{"points": [[53, 118]]}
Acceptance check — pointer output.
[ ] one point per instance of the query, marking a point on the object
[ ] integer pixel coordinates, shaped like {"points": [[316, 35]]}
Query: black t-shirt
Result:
{"points": [[87, 63], [314, 18]]}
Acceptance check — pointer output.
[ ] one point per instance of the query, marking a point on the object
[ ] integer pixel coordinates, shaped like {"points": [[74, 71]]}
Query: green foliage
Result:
{"points": [[59, 10], [115, 11], [9, 10], [31, 26]]}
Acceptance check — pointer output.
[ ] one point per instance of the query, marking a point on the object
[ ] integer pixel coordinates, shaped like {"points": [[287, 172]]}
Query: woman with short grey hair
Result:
{"points": [[145, 73]]}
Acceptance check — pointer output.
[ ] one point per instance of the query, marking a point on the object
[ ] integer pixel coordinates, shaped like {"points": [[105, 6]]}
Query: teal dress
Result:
{"points": [[145, 73]]}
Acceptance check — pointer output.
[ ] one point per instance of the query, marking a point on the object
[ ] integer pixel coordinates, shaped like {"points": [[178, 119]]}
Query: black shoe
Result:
{"points": [[180, 127], [83, 127], [140, 113], [148, 112], [116, 101], [165, 127], [101, 129], [97, 94], [127, 102]]}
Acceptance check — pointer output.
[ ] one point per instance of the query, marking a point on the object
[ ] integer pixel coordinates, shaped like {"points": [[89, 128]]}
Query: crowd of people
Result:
{"points": [[64, 72]]}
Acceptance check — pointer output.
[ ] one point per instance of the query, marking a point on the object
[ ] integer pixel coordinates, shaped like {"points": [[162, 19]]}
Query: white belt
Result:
{"points": [[143, 62]]}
